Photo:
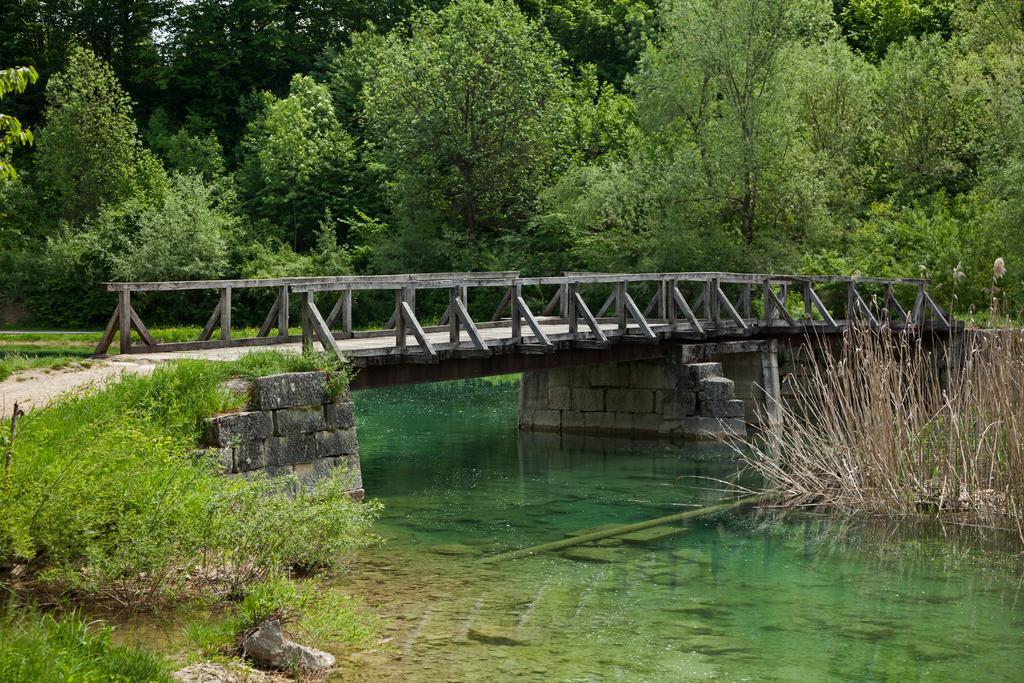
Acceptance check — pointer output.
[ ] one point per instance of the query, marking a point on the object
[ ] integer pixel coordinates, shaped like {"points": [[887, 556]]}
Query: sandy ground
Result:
{"points": [[37, 388]]}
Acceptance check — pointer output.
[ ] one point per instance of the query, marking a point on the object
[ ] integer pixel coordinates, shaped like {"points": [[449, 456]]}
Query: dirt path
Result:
{"points": [[36, 388]]}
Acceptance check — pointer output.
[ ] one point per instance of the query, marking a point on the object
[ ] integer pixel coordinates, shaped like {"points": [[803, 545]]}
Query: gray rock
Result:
{"points": [[336, 442], [249, 455], [340, 415], [289, 390], [716, 389], [712, 428], [269, 647], [286, 450], [699, 371], [208, 672], [299, 420], [228, 430], [733, 408]]}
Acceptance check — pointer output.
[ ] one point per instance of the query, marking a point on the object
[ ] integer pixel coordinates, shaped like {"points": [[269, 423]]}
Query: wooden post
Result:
{"points": [[400, 329], [571, 291], [124, 313], [851, 302], [808, 310], [307, 321], [225, 314], [453, 318], [663, 300], [673, 311], [620, 305], [745, 301], [346, 312], [769, 312], [517, 318], [563, 301], [713, 303], [282, 312]]}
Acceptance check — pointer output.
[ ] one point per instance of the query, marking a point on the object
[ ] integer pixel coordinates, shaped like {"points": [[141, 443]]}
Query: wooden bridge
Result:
{"points": [[538, 321]]}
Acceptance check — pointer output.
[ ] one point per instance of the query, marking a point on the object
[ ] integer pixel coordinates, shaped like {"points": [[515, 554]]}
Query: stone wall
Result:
{"points": [[291, 425]]}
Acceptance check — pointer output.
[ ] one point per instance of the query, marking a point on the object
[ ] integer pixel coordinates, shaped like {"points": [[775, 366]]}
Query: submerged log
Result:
{"points": [[625, 529]]}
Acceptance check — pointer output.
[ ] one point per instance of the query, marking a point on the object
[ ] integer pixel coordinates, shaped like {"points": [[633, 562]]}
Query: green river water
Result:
{"points": [[743, 597]]}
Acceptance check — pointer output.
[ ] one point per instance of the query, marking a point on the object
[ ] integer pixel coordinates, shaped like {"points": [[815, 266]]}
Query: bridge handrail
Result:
{"points": [[668, 310]]}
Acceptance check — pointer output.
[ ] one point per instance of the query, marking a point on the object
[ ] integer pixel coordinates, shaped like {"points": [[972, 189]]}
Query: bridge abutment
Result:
{"points": [[697, 392], [292, 424]]}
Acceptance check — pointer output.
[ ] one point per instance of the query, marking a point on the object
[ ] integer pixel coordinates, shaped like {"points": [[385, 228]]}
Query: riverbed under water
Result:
{"points": [[738, 597]]}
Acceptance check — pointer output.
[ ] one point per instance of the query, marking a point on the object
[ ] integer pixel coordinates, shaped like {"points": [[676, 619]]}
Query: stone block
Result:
{"points": [[336, 442], [647, 423], [287, 450], [608, 375], [312, 472], [587, 400], [559, 397], [573, 419], [340, 414], [249, 455], [289, 390], [223, 457], [608, 423], [299, 420], [651, 376], [699, 371], [733, 408], [540, 419], [629, 400], [715, 389], [710, 428], [227, 430]]}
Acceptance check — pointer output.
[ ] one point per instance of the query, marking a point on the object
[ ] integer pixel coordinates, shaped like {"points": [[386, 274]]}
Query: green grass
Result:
{"points": [[41, 648], [108, 496]]}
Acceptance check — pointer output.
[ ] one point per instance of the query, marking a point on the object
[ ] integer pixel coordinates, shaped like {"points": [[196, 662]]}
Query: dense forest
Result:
{"points": [[212, 138]]}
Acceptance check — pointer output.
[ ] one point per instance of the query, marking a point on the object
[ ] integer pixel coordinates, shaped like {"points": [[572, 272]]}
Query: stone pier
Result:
{"points": [[698, 392], [291, 425]]}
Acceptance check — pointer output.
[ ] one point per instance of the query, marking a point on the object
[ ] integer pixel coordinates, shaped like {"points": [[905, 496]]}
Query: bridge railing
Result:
{"points": [[690, 305]]}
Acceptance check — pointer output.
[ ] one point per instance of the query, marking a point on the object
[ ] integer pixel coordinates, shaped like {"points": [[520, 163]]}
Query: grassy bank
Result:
{"points": [[108, 504], [887, 426]]}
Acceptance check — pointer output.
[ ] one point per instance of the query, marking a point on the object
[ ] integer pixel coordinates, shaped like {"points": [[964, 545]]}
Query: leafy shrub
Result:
{"points": [[107, 495], [41, 648]]}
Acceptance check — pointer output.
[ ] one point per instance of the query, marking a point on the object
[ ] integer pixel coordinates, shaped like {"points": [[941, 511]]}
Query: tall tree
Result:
{"points": [[472, 113], [89, 154], [297, 163]]}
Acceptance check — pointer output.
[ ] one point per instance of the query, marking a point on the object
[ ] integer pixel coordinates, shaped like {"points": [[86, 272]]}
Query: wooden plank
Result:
{"points": [[124, 320], [211, 324], [108, 333], [635, 313], [730, 309], [335, 311], [745, 301], [225, 314], [462, 313], [550, 308], [652, 303], [321, 328], [936, 310], [517, 314], [595, 328], [140, 327], [825, 315], [268, 322], [308, 304], [777, 305], [607, 304], [409, 316], [532, 322], [687, 311], [283, 311], [570, 311], [501, 305], [890, 302], [917, 313], [399, 320], [863, 306], [620, 305], [453, 320]]}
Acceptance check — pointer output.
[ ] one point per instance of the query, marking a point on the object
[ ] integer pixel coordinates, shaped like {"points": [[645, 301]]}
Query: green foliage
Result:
{"points": [[89, 153], [316, 615], [11, 133], [108, 497], [43, 648], [871, 26], [472, 113], [298, 162]]}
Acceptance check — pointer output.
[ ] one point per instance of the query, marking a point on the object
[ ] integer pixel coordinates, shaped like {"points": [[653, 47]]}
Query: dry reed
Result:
{"points": [[883, 423]]}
